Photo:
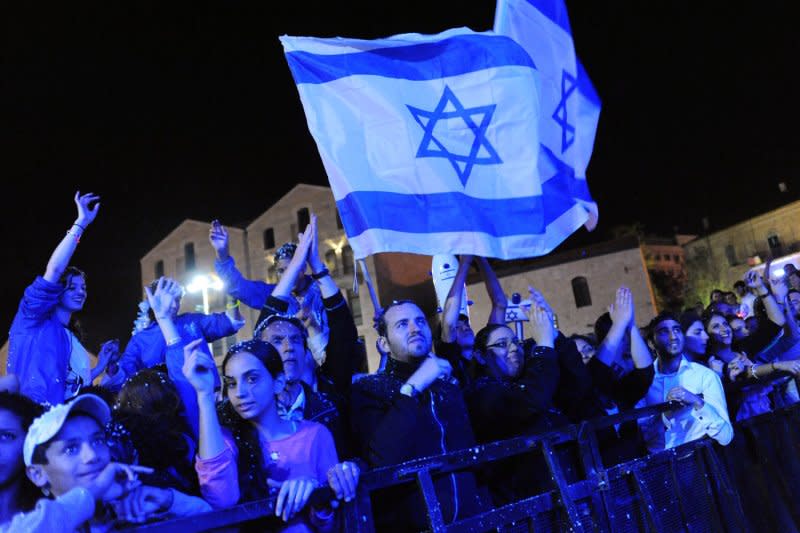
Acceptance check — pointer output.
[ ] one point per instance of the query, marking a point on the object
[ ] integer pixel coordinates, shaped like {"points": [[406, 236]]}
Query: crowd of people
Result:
{"points": [[291, 416]]}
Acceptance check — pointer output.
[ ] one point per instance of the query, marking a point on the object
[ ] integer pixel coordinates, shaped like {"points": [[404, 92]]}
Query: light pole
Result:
{"points": [[202, 283]]}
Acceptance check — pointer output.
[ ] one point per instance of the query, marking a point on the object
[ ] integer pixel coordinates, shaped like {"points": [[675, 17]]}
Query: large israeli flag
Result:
{"points": [[431, 143], [570, 107]]}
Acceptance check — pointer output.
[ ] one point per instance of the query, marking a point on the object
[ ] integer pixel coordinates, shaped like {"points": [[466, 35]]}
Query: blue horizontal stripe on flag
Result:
{"points": [[555, 10], [417, 62], [457, 212]]}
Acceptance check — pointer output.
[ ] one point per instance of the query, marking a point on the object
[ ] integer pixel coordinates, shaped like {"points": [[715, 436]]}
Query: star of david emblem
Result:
{"points": [[568, 87], [477, 119]]}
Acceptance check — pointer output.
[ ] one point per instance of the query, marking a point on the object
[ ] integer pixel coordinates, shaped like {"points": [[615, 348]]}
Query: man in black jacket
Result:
{"points": [[412, 410]]}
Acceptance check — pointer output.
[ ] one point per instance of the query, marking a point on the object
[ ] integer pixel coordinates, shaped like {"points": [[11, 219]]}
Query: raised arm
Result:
{"points": [[640, 353], [756, 282], [59, 260], [327, 287], [250, 292], [198, 369], [283, 289], [495, 291], [452, 304], [341, 359], [621, 311]]}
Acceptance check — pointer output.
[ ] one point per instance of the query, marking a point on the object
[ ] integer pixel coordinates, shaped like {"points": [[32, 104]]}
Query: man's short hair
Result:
{"points": [[380, 318], [740, 283], [271, 319], [658, 319]]}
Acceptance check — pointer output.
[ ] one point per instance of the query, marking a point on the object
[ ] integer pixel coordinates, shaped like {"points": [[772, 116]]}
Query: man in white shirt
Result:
{"points": [[695, 386]]}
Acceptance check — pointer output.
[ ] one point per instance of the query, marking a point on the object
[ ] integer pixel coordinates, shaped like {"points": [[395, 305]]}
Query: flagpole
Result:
{"points": [[371, 289]]}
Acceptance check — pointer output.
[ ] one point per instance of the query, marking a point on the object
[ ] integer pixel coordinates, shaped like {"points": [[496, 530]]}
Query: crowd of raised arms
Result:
{"points": [[156, 430]]}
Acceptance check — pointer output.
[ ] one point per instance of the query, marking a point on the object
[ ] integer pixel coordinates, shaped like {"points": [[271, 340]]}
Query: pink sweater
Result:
{"points": [[310, 452]]}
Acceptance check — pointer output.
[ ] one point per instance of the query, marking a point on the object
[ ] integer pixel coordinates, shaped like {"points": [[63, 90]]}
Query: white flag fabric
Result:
{"points": [[431, 143], [570, 107]]}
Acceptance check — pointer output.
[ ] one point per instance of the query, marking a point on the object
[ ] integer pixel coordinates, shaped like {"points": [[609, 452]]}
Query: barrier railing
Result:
{"points": [[699, 486]]}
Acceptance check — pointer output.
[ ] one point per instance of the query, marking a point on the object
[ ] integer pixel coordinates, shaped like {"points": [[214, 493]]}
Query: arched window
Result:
{"points": [[330, 261], [347, 261], [580, 289]]}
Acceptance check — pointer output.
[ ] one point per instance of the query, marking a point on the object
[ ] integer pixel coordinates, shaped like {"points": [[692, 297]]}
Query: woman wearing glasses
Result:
{"points": [[515, 398]]}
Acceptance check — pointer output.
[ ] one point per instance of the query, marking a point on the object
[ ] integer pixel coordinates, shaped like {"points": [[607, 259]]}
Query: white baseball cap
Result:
{"points": [[50, 423]]}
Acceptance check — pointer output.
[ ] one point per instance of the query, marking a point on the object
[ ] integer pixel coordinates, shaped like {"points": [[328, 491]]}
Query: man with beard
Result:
{"points": [[699, 390], [412, 410]]}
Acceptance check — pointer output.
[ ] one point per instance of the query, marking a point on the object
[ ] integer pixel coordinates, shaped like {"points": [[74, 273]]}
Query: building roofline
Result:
{"points": [[184, 222], [300, 185], [509, 268], [751, 220]]}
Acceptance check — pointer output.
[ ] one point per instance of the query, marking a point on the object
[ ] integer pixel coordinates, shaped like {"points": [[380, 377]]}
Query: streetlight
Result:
{"points": [[202, 283]]}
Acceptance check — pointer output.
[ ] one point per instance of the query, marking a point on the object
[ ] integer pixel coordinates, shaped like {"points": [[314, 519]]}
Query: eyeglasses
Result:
{"points": [[505, 344]]}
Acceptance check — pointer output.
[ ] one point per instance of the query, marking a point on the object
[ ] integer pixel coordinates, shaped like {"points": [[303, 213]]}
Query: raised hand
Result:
{"points": [[86, 214], [218, 237], [621, 310], [539, 299], [166, 293], [198, 368], [343, 479], [542, 329], [314, 261], [755, 282]]}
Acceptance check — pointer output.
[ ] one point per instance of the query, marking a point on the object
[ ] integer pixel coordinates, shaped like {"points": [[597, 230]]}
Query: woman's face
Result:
{"points": [[739, 328], [250, 387], [504, 352], [719, 331], [696, 338]]}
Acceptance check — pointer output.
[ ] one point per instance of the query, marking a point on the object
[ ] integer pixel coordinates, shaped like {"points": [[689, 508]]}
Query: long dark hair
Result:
{"points": [[150, 408], [251, 467], [74, 325], [26, 410]]}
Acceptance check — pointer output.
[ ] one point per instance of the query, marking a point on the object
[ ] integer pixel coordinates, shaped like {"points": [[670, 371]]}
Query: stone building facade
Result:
{"points": [[724, 256], [580, 284]]}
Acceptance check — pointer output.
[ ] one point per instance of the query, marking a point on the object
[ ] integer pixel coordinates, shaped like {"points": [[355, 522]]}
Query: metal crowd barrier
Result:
{"points": [[699, 486]]}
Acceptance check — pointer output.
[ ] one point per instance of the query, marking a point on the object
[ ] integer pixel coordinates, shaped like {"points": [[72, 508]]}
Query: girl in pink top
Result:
{"points": [[257, 449]]}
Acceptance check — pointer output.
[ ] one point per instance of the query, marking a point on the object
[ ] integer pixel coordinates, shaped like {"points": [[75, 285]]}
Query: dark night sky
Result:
{"points": [[174, 110]]}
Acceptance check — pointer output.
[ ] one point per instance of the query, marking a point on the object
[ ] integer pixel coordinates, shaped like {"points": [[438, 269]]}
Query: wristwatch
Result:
{"points": [[407, 389], [321, 274]]}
